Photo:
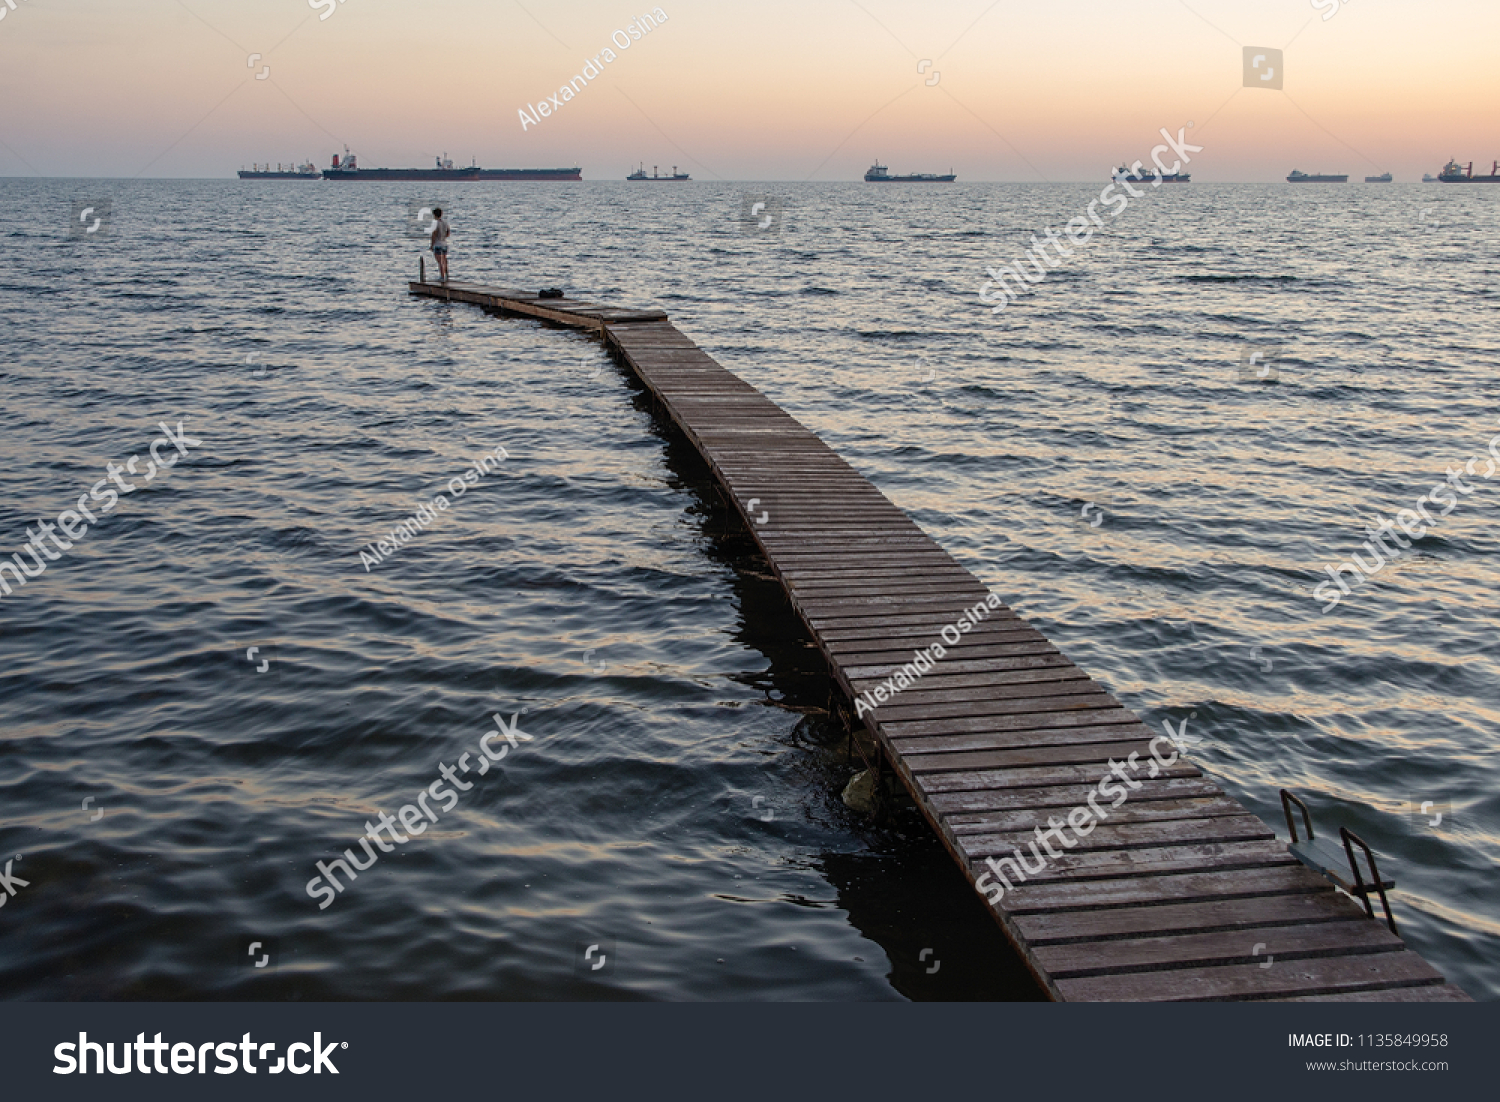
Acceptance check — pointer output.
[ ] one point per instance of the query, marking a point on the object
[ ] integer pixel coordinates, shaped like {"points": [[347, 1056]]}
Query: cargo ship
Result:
{"points": [[1383, 178], [308, 171], [1317, 178], [1146, 176], [1455, 173], [574, 173], [347, 168], [879, 174], [640, 174]]}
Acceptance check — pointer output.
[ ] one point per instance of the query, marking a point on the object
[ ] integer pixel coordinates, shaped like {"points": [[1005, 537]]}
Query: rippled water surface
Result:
{"points": [[677, 804]]}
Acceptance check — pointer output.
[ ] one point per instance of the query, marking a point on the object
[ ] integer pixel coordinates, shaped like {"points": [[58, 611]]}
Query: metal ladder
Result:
{"points": [[1326, 859]]}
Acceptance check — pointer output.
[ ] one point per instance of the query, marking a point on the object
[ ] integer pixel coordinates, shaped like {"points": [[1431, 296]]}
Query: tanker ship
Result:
{"points": [[1316, 178], [1146, 176], [347, 168], [879, 174], [308, 171]]}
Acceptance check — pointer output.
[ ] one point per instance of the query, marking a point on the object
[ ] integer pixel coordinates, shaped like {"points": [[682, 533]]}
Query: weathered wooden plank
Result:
{"points": [[1032, 898], [1089, 752], [896, 548], [834, 514], [839, 513], [1007, 645], [812, 491], [1062, 795], [892, 603], [1265, 944], [1049, 707], [1307, 976], [1001, 822], [886, 539], [1117, 864], [1039, 734], [903, 638], [851, 540], [1187, 916], [954, 673], [901, 641], [936, 578], [1110, 834], [807, 465], [998, 646], [908, 633], [960, 725], [885, 560], [924, 700], [980, 780], [1037, 667], [843, 570], [1063, 695], [892, 529]]}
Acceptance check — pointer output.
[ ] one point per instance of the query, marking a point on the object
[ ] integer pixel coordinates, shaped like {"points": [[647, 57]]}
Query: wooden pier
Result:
{"points": [[1178, 893]]}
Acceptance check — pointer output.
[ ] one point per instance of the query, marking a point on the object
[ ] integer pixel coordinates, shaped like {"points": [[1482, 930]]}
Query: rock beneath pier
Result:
{"points": [[859, 793]]}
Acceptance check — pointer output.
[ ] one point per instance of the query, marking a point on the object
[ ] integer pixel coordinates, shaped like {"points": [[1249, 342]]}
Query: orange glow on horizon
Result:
{"points": [[787, 92]]}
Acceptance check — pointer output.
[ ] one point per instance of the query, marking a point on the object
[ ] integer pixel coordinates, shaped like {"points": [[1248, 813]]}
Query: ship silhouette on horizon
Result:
{"points": [[880, 174]]}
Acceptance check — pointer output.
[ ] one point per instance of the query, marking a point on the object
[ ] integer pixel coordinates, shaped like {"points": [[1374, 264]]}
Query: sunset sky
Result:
{"points": [[779, 90]]}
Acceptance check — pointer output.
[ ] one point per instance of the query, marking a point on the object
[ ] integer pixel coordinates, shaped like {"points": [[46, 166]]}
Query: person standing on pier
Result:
{"points": [[441, 231]]}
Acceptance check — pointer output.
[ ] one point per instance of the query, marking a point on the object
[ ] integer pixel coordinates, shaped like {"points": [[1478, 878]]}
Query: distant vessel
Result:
{"points": [[1455, 173], [348, 168], [640, 174], [308, 171], [1146, 176], [1429, 178], [1383, 178], [574, 173], [1303, 178], [879, 174]]}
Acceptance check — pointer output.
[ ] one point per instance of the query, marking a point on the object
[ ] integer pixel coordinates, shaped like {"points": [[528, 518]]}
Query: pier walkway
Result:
{"points": [[1176, 892]]}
